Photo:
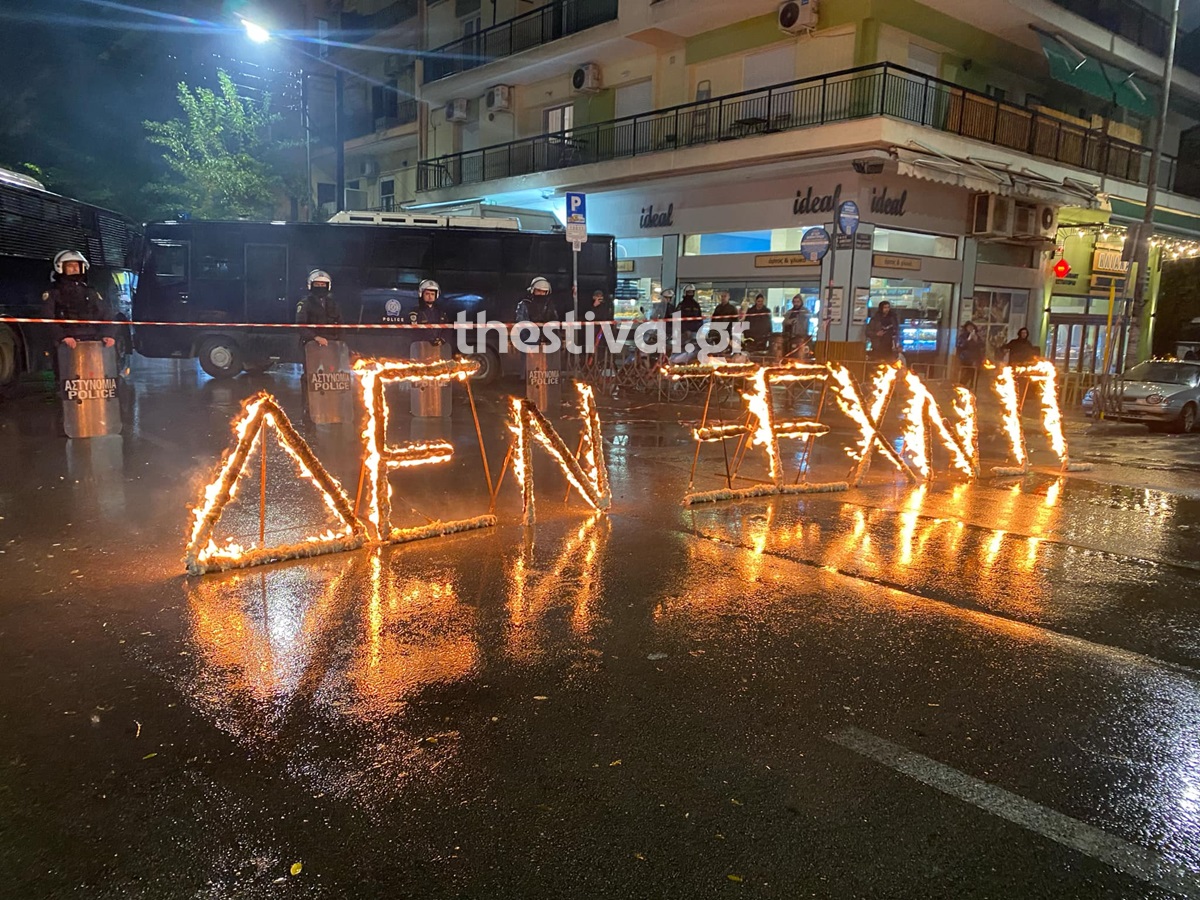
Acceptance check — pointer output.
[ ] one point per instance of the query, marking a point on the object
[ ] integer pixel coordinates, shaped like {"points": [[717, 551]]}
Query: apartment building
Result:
{"points": [[983, 144]]}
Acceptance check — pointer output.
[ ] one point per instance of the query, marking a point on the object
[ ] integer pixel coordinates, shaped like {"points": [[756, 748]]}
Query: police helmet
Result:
{"points": [[689, 289], [539, 284], [429, 285], [668, 295], [66, 256], [319, 275]]}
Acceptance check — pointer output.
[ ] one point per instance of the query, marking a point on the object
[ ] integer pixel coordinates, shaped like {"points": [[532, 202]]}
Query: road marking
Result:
{"points": [[1138, 862]]}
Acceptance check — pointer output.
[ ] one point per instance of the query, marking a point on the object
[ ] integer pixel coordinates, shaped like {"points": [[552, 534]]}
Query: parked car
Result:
{"points": [[1161, 393]]}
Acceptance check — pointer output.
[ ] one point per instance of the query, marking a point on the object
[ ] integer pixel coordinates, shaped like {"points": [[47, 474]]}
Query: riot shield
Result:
{"points": [[430, 399], [328, 383], [543, 378], [87, 387]]}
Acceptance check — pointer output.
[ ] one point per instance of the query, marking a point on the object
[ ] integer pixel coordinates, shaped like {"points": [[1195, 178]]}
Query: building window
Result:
{"points": [[323, 37], [387, 194], [558, 119], [326, 193], [998, 312], [923, 308], [914, 243]]}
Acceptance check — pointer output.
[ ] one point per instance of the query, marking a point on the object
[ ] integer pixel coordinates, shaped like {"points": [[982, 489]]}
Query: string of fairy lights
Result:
{"points": [[1114, 235]]}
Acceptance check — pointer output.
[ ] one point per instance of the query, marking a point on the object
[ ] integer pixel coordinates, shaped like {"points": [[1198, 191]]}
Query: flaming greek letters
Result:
{"points": [[381, 458], [761, 426], [1042, 377], [961, 442], [588, 474], [867, 417], [203, 554]]}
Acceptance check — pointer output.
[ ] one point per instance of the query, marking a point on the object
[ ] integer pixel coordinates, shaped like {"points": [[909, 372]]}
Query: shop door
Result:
{"points": [[1079, 343]]}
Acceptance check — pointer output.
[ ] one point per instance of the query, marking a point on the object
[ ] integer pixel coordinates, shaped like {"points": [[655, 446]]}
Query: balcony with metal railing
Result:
{"points": [[554, 20], [880, 89]]}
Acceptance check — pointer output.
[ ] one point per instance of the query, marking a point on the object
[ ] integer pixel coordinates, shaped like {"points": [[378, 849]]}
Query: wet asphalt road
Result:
{"points": [[952, 691]]}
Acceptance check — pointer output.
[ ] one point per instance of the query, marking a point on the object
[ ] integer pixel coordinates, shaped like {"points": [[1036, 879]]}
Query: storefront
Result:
{"points": [[729, 233]]}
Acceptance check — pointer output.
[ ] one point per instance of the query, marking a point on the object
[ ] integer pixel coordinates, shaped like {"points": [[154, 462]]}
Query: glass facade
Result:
{"points": [[923, 308], [914, 243]]}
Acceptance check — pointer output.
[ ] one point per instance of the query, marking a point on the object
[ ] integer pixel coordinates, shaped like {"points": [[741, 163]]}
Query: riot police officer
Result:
{"points": [[538, 306], [428, 312], [318, 308], [70, 297], [690, 312]]}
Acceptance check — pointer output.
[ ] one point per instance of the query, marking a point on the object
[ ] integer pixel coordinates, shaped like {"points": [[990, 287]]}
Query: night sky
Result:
{"points": [[80, 76]]}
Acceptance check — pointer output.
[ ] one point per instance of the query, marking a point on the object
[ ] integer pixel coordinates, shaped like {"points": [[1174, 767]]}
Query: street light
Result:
{"points": [[260, 35], [256, 32]]}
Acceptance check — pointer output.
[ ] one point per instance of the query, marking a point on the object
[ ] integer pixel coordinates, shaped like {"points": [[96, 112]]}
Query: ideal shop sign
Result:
{"points": [[880, 202]]}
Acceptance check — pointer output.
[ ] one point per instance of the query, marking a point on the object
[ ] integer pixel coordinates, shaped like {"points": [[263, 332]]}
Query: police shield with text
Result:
{"points": [[328, 384], [541, 364], [84, 355]]}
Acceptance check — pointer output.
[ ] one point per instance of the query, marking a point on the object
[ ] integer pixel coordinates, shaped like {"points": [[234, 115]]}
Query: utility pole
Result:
{"points": [[1142, 258]]}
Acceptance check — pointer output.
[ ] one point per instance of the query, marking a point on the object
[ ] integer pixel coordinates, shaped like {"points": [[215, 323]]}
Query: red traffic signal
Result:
{"points": [[1062, 269]]}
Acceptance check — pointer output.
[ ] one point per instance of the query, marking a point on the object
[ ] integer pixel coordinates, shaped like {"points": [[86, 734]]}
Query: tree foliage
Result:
{"points": [[1178, 302], [222, 157]]}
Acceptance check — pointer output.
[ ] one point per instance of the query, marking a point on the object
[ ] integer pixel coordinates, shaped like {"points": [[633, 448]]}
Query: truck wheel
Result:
{"points": [[220, 357], [489, 366], [10, 359]]}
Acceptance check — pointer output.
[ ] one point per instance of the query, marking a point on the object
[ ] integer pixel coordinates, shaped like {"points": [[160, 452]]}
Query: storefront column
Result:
{"points": [[670, 261], [964, 306]]}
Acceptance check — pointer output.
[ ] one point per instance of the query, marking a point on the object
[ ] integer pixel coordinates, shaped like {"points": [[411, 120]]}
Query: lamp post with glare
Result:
{"points": [[260, 35]]}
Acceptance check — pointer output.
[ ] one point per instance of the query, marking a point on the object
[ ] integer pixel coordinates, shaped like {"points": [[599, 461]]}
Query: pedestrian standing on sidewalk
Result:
{"points": [[970, 351]]}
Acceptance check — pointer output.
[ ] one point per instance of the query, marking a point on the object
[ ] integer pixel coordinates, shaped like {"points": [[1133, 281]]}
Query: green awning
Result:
{"points": [[1168, 218], [1100, 79]]}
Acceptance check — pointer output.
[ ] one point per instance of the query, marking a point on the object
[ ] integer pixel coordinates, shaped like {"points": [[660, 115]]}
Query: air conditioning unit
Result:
{"points": [[456, 110], [367, 168], [991, 215], [1035, 220], [586, 79], [797, 16], [499, 98]]}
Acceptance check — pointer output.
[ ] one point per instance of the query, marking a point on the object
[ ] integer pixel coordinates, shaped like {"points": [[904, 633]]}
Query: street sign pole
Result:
{"points": [[577, 236]]}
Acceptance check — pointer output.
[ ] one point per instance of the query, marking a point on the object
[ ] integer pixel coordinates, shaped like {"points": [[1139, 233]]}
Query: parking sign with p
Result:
{"points": [[576, 218]]}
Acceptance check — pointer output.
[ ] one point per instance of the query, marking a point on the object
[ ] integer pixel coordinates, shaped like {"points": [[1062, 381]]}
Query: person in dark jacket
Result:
{"points": [[795, 330], [537, 307], [69, 297], [723, 316], [1020, 352], [429, 312], [970, 350], [883, 331], [602, 310], [318, 308], [759, 326], [690, 313]]}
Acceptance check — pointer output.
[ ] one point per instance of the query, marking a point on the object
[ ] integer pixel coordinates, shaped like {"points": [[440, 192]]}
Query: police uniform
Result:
{"points": [[68, 299], [314, 311]]}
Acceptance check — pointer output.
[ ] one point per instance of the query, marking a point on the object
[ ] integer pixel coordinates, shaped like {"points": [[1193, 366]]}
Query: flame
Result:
{"points": [[758, 402], [587, 473], [1051, 414], [380, 458], [921, 406], [867, 418], [259, 413], [1006, 390]]}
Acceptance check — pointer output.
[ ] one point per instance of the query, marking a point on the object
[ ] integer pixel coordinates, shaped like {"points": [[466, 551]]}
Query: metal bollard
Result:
{"points": [[87, 387], [429, 399], [543, 379], [328, 383]]}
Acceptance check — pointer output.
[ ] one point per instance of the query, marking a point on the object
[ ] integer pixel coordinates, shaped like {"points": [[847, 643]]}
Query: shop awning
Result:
{"points": [[1081, 70], [919, 160]]}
